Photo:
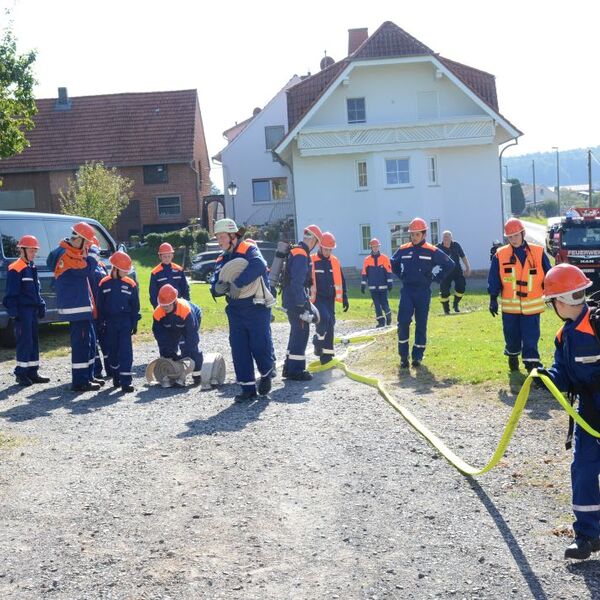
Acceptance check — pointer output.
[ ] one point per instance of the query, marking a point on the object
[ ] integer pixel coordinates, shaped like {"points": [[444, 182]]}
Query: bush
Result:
{"points": [[549, 208], [154, 240], [201, 237], [134, 241]]}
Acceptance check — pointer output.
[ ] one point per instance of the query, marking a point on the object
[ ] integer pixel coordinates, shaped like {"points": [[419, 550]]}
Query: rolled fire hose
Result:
{"points": [[166, 371], [213, 370], [257, 288]]}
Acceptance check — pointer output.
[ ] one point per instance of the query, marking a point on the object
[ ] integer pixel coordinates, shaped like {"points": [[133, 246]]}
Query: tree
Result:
{"points": [[98, 193], [517, 198], [17, 104]]}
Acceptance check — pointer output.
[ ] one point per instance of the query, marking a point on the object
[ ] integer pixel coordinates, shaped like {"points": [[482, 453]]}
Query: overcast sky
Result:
{"points": [[238, 54]]}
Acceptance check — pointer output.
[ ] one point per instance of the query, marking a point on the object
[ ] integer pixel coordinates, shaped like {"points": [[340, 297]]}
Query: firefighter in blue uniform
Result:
{"points": [[72, 270], [118, 315], [296, 283], [25, 305], [249, 322], [456, 253], [377, 276], [168, 272], [576, 369], [329, 287], [176, 326], [98, 274], [414, 264]]}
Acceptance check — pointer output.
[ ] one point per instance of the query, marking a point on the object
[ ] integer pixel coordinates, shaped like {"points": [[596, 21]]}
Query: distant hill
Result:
{"points": [[573, 167]]}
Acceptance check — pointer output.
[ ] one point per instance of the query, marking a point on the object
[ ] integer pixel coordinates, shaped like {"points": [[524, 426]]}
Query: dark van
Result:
{"points": [[49, 230]]}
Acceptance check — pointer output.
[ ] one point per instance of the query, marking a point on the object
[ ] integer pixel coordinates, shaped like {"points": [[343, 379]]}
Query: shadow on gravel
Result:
{"points": [[590, 571], [45, 400], [150, 393], [540, 402], [527, 572], [422, 380], [234, 417]]}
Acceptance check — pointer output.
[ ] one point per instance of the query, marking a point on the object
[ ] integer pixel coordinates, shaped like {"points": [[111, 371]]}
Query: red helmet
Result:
{"points": [[315, 231], [417, 224], [513, 226], [374, 241], [165, 248], [120, 260], [328, 241], [28, 241], [562, 281], [167, 295], [84, 230]]}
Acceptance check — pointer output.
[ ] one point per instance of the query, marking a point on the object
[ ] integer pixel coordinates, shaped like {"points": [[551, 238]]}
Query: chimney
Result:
{"points": [[62, 102], [356, 37]]}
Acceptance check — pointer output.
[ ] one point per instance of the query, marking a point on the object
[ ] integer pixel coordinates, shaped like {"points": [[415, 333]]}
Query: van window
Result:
{"points": [[57, 231], [13, 229], [106, 248]]}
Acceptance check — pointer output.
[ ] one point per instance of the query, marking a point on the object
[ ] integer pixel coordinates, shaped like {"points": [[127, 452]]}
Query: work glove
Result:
{"points": [[363, 288], [221, 288], [494, 306], [41, 311], [345, 304], [538, 384], [595, 321]]}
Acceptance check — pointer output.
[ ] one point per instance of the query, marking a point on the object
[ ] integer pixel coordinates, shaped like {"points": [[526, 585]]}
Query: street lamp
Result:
{"points": [[232, 189], [557, 180]]}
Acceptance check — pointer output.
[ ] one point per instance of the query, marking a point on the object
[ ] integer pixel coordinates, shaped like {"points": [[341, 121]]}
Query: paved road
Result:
{"points": [[536, 233]]}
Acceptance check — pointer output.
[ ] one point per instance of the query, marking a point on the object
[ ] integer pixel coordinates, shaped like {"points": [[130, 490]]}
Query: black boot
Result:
{"points": [[446, 307], [85, 387], [582, 547], [388, 318], [245, 397], [326, 358], [100, 382], [513, 362], [317, 351], [264, 385], [126, 389], [197, 379], [416, 363], [302, 376], [24, 381], [532, 364], [38, 379], [404, 363], [455, 304]]}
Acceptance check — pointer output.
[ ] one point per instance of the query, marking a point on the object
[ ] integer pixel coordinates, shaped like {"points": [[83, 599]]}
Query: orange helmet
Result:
{"points": [[165, 248], [374, 241], [167, 295], [513, 226], [84, 230], [120, 260], [417, 224], [328, 241], [315, 231], [28, 241], [564, 280]]}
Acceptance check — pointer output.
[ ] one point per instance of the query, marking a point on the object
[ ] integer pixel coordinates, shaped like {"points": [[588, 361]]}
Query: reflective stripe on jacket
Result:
{"points": [[377, 272]]}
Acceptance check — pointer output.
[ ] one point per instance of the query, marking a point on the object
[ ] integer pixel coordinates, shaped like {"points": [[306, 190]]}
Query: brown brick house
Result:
{"points": [[154, 138]]}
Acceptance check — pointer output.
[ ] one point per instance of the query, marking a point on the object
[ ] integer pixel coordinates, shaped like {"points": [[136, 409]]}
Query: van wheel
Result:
{"points": [[7, 335], [208, 275]]}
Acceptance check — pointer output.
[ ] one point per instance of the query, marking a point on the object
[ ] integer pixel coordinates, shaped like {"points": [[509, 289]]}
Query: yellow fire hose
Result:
{"points": [[435, 441]]}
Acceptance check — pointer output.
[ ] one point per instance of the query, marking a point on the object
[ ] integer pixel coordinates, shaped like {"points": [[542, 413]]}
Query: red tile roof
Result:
{"points": [[118, 129], [390, 40]]}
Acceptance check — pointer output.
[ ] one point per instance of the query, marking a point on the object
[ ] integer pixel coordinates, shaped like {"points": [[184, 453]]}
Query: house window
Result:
{"points": [[432, 170], [398, 235], [156, 174], [17, 199], [356, 110], [273, 135], [168, 206], [427, 106], [396, 171], [365, 237], [269, 190], [361, 175], [434, 227]]}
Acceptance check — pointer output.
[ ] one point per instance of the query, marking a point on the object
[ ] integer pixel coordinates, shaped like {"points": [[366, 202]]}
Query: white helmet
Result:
{"points": [[226, 226]]}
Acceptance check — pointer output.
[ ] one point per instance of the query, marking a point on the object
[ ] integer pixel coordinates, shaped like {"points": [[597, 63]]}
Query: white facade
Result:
{"points": [[444, 139], [264, 188]]}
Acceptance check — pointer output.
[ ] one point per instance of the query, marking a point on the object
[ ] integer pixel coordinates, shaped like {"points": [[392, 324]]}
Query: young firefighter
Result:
{"points": [[576, 369], [249, 322], [168, 272], [25, 305], [98, 274], [517, 276], [455, 252], [413, 263], [118, 315], [329, 287], [72, 270], [176, 326], [377, 276]]}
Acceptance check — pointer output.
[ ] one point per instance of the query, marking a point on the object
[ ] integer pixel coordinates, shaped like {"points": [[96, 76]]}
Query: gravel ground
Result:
{"points": [[319, 491]]}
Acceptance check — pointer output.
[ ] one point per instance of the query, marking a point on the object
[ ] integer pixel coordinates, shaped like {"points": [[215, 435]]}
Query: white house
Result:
{"points": [[264, 190], [391, 132]]}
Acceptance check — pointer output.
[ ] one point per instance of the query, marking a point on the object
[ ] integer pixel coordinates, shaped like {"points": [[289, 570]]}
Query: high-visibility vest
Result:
{"points": [[522, 285], [337, 277]]}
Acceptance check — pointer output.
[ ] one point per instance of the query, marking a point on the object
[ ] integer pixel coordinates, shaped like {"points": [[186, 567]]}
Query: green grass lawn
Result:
{"points": [[539, 219]]}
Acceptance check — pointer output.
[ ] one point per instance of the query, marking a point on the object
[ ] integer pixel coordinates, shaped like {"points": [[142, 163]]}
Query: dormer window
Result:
{"points": [[356, 110]]}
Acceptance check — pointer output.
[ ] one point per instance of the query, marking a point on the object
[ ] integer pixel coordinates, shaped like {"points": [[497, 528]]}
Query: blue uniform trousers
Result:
{"points": [[323, 338], [295, 360], [101, 351], [26, 332], [83, 351], [585, 470], [117, 339], [521, 335], [250, 341], [382, 307], [413, 301]]}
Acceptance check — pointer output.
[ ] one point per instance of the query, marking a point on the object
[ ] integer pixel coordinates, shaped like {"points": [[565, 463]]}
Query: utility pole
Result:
{"points": [[589, 178], [557, 179], [534, 191]]}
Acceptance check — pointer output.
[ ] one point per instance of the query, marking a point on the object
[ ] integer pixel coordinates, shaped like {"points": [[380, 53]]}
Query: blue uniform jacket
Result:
{"points": [[257, 267], [376, 276], [177, 328], [172, 274], [98, 274], [22, 288], [71, 272], [324, 280], [414, 264], [118, 298], [298, 278], [494, 281]]}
